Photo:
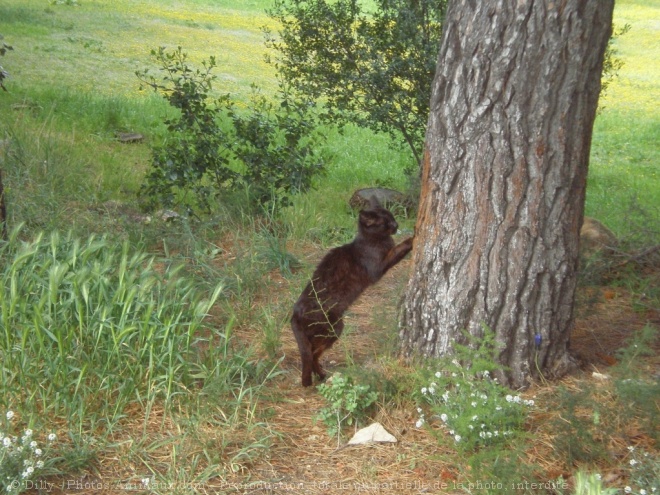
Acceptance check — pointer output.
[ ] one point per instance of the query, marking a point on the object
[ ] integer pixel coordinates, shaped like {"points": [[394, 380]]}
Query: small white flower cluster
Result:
{"points": [[644, 473], [21, 458], [517, 400], [478, 414]]}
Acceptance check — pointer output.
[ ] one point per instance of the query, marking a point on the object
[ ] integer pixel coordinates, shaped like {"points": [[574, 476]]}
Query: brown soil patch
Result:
{"points": [[606, 324]]}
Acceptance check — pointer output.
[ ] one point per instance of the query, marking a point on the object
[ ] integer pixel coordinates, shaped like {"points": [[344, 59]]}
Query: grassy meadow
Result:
{"points": [[155, 357]]}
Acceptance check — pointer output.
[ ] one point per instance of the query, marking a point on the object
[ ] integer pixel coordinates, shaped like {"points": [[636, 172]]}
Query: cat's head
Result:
{"points": [[377, 221]]}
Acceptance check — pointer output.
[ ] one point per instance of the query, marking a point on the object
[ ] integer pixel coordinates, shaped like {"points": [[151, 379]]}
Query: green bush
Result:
{"points": [[372, 66], [347, 403], [214, 149], [463, 397]]}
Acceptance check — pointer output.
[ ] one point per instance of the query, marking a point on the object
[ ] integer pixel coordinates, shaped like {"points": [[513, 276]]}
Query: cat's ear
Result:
{"points": [[374, 203]]}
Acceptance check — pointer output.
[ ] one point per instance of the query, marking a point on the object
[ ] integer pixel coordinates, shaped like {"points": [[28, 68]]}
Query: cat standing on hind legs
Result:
{"points": [[339, 279]]}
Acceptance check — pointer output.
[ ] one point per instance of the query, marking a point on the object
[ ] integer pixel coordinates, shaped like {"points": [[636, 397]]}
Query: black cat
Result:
{"points": [[339, 279]]}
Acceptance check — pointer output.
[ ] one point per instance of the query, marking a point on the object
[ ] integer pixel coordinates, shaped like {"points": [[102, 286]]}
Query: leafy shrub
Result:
{"points": [[213, 149], [467, 402], [347, 401], [373, 67]]}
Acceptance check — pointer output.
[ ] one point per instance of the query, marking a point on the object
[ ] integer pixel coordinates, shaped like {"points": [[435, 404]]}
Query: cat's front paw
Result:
{"points": [[407, 245]]}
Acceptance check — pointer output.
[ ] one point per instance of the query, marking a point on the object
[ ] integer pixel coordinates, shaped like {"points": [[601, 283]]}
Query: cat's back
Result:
{"points": [[341, 268]]}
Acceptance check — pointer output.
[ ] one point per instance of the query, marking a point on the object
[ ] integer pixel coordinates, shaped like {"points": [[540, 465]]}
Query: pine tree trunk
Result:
{"points": [[503, 181]]}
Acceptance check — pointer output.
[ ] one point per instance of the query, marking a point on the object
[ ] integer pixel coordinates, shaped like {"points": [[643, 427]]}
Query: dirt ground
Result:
{"points": [[306, 460]]}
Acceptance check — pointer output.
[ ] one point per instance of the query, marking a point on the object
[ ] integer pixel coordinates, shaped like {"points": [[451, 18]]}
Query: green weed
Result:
{"points": [[24, 457], [591, 484], [463, 397], [347, 403], [644, 472]]}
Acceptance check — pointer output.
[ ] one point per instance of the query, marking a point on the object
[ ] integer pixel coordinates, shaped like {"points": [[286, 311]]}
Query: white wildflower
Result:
{"points": [[457, 438], [627, 490], [443, 417], [38, 452], [642, 492], [424, 390], [6, 442], [474, 404], [438, 374], [33, 444], [419, 423], [40, 464], [52, 437], [631, 448], [509, 398], [432, 390], [633, 462], [28, 433], [475, 417], [10, 415], [145, 481]]}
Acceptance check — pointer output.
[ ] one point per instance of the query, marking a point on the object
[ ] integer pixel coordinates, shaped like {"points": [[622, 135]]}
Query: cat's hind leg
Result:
{"points": [[323, 342], [305, 348]]}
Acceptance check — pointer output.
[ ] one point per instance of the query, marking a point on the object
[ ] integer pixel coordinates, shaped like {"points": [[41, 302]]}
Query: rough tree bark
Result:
{"points": [[503, 180]]}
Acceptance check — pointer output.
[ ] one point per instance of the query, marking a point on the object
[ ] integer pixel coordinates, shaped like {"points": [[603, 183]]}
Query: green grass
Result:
{"points": [[625, 158], [96, 47], [624, 170]]}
